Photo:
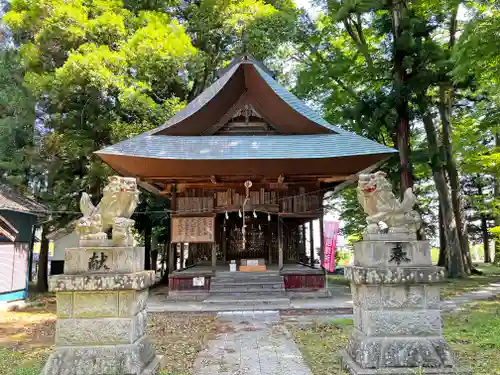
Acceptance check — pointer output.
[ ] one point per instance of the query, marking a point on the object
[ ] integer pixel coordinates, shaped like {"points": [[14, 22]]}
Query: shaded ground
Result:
{"points": [[474, 336], [456, 287], [27, 337], [179, 338]]}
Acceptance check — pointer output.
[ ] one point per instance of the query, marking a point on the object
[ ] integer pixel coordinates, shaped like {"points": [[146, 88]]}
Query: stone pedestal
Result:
{"points": [[397, 318], [101, 314]]}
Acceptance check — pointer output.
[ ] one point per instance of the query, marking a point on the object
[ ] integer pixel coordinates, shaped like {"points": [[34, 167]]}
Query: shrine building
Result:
{"points": [[246, 165]]}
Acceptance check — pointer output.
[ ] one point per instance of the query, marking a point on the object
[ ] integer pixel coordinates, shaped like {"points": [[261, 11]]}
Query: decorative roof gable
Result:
{"points": [[245, 82]]}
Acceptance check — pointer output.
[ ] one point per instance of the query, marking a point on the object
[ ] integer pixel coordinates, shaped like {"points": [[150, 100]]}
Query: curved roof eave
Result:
{"points": [[247, 147]]}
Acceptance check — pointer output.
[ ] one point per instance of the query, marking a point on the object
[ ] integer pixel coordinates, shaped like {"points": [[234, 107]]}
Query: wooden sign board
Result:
{"points": [[193, 229]]}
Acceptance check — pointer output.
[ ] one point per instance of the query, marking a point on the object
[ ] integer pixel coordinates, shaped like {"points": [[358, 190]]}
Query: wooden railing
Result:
{"points": [[298, 202]]}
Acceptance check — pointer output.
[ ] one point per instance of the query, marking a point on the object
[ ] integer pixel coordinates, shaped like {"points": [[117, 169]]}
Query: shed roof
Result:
{"points": [[7, 230], [12, 200]]}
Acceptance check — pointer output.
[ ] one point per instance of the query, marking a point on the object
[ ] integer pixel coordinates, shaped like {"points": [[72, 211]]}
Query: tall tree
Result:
{"points": [[103, 71], [17, 123], [376, 67], [478, 62]]}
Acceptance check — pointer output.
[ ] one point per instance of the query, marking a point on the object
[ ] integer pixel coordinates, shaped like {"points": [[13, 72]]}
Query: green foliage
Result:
{"points": [[103, 71], [17, 119]]}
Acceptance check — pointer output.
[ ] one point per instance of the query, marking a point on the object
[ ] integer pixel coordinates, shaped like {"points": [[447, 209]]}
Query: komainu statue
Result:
{"points": [[119, 200], [378, 201]]}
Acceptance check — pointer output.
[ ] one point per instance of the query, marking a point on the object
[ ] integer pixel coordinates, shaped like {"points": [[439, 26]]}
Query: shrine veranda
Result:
{"points": [[246, 165]]}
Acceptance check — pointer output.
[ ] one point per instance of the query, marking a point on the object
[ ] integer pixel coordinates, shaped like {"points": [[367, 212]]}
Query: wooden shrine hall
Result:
{"points": [[246, 165]]}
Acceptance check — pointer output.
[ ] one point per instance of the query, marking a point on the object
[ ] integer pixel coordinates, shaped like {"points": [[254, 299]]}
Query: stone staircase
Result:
{"points": [[247, 291]]}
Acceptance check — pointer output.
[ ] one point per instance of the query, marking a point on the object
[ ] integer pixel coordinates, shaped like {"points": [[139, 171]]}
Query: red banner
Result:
{"points": [[330, 233]]}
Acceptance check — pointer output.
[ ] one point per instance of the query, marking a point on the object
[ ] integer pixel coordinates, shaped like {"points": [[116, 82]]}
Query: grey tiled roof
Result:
{"points": [[212, 91], [198, 102], [14, 201], [153, 145], [247, 147], [294, 102]]}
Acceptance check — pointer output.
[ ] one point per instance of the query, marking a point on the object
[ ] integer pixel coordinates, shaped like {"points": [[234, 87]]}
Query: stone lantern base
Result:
{"points": [[397, 317]]}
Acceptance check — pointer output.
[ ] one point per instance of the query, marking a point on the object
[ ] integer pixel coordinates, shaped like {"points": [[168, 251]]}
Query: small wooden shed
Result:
{"points": [[18, 215]]}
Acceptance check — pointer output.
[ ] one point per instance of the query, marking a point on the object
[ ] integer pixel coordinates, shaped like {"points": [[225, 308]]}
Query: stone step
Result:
{"points": [[249, 301], [244, 275], [264, 279], [247, 289], [232, 283], [247, 294]]}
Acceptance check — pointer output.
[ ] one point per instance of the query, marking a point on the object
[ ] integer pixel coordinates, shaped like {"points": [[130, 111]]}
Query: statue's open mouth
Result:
{"points": [[370, 189]]}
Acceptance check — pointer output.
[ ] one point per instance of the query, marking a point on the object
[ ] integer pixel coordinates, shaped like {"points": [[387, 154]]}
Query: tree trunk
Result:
{"points": [[147, 243], [445, 108], [454, 259], [154, 259], [496, 191], [403, 115], [43, 262], [165, 262], [442, 241], [486, 240], [30, 254]]}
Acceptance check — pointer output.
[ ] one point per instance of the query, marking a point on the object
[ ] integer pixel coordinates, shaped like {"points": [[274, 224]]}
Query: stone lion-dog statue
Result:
{"points": [[119, 200], [380, 204]]}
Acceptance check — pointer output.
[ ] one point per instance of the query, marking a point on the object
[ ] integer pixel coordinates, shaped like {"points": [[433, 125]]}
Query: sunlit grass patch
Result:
{"points": [[473, 335]]}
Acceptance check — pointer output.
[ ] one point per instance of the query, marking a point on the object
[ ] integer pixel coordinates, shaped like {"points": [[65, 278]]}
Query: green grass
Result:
{"points": [[15, 362], [473, 335], [320, 344], [453, 287], [337, 280]]}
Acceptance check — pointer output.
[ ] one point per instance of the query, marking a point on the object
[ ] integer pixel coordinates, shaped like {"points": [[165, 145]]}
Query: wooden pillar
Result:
{"points": [[321, 241], [311, 238], [269, 240], [303, 245], [173, 246], [280, 243], [171, 258], [224, 243], [214, 256]]}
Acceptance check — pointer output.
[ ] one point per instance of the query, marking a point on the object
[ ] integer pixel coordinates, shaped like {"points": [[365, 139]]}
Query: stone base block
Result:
{"points": [[132, 359], [353, 368], [101, 304], [101, 331], [391, 236], [394, 275], [126, 259], [403, 351], [392, 253], [103, 281], [187, 295]]}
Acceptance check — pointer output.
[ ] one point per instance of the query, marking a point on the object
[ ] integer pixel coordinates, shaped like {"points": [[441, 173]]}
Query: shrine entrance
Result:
{"points": [[246, 166], [258, 242]]}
